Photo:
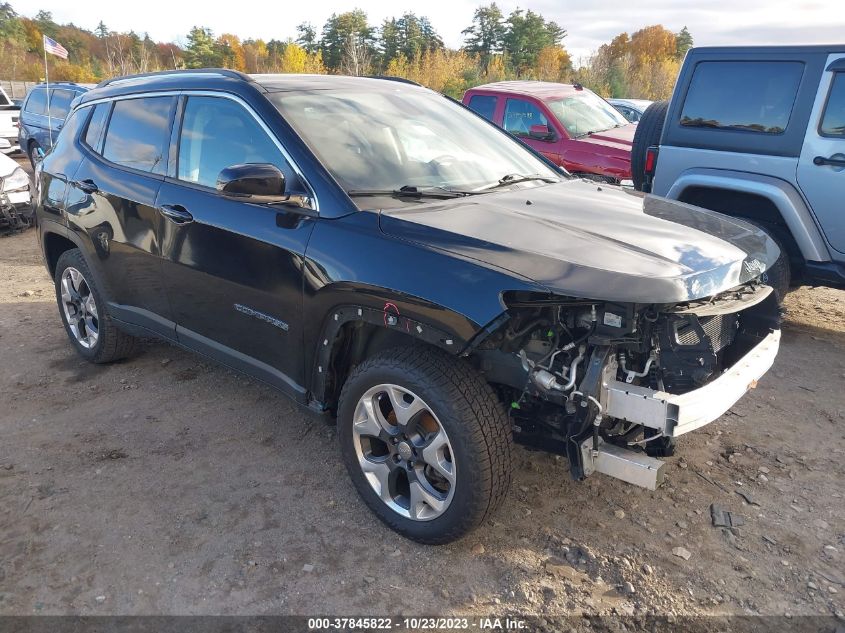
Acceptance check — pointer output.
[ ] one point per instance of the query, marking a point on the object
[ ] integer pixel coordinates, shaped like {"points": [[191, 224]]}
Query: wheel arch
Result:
{"points": [[352, 333], [54, 245], [761, 198]]}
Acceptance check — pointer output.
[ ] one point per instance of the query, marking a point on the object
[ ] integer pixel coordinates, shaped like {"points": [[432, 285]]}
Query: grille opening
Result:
{"points": [[720, 328]]}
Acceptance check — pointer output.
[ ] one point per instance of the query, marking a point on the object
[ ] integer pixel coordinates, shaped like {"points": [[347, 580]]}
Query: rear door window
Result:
{"points": [[751, 96], [37, 102], [833, 120], [485, 105], [138, 135], [521, 115], [60, 103]]}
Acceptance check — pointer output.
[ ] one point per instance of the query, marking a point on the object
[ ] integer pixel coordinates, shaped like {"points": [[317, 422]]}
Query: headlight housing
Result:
{"points": [[16, 181]]}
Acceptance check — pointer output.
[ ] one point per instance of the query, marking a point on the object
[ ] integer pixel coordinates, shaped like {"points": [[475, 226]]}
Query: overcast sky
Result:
{"points": [[589, 23]]}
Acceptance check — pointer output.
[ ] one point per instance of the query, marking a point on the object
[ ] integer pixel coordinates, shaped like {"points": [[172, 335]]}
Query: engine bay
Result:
{"points": [[552, 359]]}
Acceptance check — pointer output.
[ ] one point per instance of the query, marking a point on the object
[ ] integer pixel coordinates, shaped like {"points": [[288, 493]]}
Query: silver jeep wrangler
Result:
{"points": [[758, 133]]}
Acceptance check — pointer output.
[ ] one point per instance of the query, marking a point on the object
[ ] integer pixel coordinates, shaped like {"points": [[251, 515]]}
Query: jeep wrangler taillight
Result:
{"points": [[650, 165], [650, 160]]}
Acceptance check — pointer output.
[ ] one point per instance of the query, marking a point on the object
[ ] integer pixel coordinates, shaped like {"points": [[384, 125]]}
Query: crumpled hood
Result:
{"points": [[7, 165], [596, 242]]}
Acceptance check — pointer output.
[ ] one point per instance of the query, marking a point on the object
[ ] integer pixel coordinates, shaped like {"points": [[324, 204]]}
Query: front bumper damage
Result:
{"points": [[16, 212], [9, 144], [670, 415]]}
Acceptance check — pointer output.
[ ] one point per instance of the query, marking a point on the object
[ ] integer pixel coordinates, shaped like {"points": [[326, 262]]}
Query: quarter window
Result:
{"points": [[71, 128], [96, 124], [748, 96], [521, 115], [37, 102], [139, 133], [218, 133], [485, 105], [833, 120]]}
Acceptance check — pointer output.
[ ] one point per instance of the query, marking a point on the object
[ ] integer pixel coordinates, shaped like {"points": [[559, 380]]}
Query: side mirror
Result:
{"points": [[541, 133], [252, 180], [262, 183]]}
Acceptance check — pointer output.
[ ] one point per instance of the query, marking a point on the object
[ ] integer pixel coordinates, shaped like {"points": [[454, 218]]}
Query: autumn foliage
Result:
{"points": [[521, 45]]}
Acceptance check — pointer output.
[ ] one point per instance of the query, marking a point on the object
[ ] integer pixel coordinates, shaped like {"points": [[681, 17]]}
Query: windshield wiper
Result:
{"points": [[512, 179], [411, 191]]}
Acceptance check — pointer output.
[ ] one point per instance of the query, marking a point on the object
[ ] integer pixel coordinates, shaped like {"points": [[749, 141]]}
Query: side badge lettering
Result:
{"points": [[263, 317]]}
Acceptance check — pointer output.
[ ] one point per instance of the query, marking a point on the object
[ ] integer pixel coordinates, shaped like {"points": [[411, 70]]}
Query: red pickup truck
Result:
{"points": [[568, 124]]}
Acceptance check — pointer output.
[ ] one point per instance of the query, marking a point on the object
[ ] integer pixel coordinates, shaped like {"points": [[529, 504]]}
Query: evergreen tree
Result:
{"points": [[683, 42], [485, 36], [202, 50], [527, 33], [307, 38], [408, 36], [346, 32]]}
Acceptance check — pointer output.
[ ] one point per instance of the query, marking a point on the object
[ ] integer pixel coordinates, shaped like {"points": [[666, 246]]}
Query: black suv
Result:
{"points": [[384, 255]]}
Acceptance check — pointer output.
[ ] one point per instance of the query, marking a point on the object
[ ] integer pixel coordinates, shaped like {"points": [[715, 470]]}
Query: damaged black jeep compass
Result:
{"points": [[384, 255]]}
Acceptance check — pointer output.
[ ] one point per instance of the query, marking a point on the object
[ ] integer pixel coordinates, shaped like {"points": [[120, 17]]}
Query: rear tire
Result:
{"points": [[648, 133], [84, 312], [32, 153], [451, 397]]}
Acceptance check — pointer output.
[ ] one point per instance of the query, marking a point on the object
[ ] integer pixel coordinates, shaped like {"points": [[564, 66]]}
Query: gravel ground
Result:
{"points": [[165, 484]]}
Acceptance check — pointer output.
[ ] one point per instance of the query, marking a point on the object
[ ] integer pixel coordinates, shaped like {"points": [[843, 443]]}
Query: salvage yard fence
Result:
{"points": [[17, 89]]}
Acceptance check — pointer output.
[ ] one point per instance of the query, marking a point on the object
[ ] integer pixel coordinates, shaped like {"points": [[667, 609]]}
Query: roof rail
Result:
{"points": [[223, 72], [393, 78]]}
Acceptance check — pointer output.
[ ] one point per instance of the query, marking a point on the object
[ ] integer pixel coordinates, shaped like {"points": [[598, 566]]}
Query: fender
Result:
{"points": [[786, 198], [388, 317], [397, 285]]}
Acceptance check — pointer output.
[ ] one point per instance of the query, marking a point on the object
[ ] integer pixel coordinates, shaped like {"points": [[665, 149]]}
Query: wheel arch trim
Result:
{"points": [[389, 319], [789, 203]]}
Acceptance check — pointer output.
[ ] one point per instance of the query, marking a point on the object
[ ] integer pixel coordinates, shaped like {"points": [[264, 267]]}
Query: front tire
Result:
{"points": [[426, 443], [84, 313]]}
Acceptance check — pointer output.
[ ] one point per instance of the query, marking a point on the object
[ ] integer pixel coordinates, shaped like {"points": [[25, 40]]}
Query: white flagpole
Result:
{"points": [[47, 81]]}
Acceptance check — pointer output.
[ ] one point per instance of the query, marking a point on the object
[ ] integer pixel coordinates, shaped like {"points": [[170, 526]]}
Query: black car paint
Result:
{"points": [[184, 281], [574, 240]]}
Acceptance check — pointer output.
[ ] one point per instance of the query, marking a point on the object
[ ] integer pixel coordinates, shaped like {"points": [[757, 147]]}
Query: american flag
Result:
{"points": [[54, 48]]}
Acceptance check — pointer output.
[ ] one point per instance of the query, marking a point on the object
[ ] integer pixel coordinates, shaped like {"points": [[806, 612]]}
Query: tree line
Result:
{"points": [[520, 45]]}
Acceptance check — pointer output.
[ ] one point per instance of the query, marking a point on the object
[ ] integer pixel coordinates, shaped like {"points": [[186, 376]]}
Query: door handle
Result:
{"points": [[835, 162], [176, 213], [87, 185]]}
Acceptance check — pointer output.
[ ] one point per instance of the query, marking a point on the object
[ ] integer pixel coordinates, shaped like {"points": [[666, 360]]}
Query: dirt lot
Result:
{"points": [[165, 484]]}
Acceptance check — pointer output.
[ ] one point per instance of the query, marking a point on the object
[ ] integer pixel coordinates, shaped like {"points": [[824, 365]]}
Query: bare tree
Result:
{"points": [[357, 57]]}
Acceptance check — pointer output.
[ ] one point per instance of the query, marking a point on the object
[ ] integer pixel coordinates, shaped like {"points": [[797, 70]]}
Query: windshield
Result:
{"points": [[585, 113], [404, 137]]}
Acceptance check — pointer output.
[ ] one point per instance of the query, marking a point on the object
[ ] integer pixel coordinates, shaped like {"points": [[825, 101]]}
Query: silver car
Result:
{"points": [[631, 109]]}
